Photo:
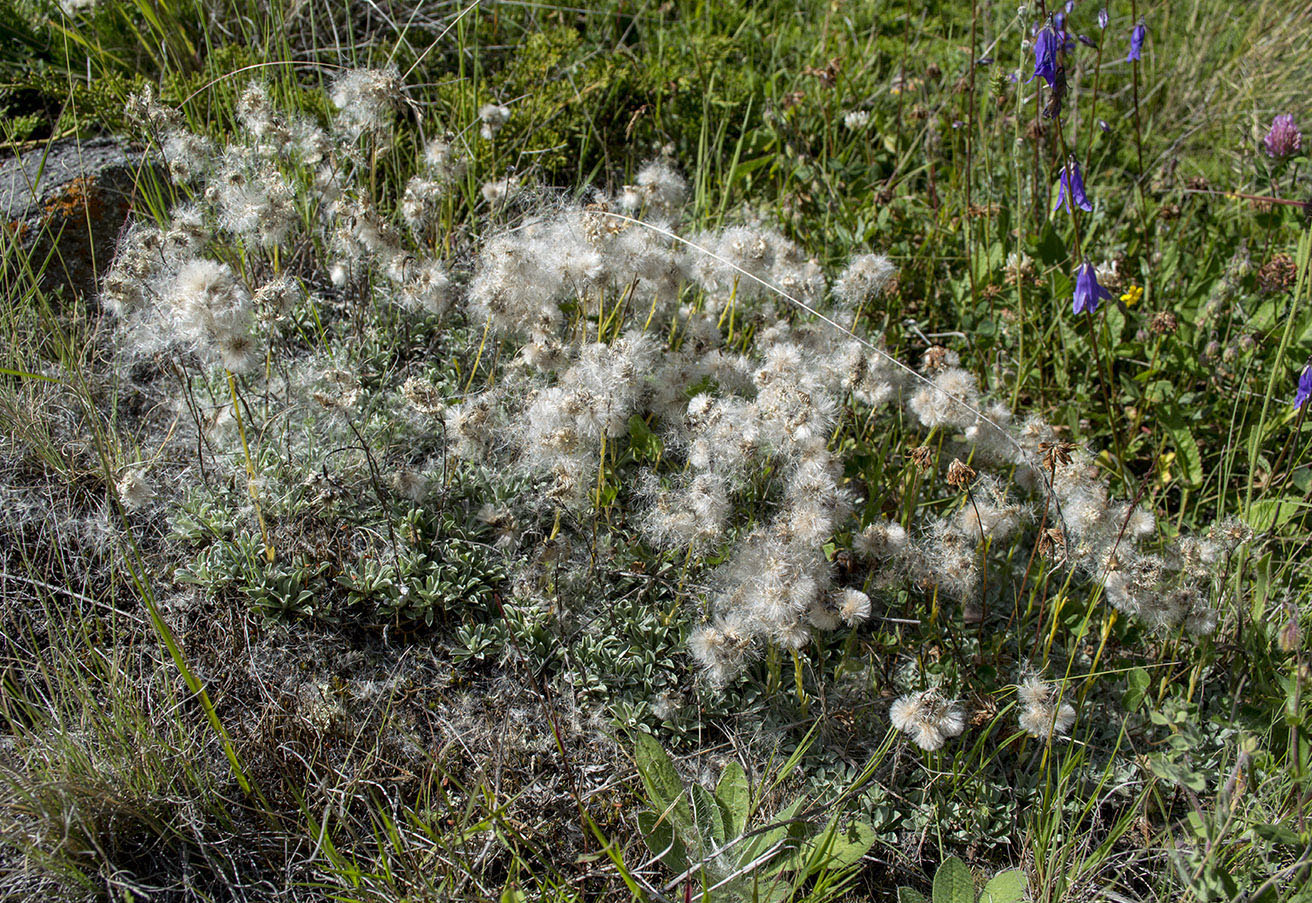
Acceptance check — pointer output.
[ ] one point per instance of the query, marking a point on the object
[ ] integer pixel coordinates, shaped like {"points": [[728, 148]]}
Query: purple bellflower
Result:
{"points": [[1070, 194], [1102, 18], [1284, 137], [1136, 41], [1087, 290], [1046, 44], [1304, 387]]}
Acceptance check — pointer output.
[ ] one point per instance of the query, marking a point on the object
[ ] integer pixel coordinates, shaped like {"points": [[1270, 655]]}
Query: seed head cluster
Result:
{"points": [[639, 378]]}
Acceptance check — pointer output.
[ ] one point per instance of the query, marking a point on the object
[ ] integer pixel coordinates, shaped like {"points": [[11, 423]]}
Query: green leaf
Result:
{"points": [[1115, 321], [847, 845], [645, 445], [759, 843], [1005, 887], [1052, 251], [664, 788], [658, 835], [1276, 834], [707, 818], [657, 772], [1178, 774], [1191, 460], [734, 797], [908, 895], [1137, 682], [1271, 513], [953, 883]]}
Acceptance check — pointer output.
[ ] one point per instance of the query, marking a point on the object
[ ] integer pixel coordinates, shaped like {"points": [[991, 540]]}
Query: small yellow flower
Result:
{"points": [[1132, 295]]}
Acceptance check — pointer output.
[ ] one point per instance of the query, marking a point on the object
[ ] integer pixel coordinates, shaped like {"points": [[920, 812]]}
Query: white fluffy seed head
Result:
{"points": [[134, 489], [948, 402], [880, 541], [211, 309], [928, 718], [366, 101], [493, 117], [853, 607], [866, 277]]}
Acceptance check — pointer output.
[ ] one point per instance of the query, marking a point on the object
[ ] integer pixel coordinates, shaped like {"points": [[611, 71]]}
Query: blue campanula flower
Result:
{"points": [[1070, 194], [1136, 41], [1102, 18], [1304, 387], [1046, 45], [1087, 290]]}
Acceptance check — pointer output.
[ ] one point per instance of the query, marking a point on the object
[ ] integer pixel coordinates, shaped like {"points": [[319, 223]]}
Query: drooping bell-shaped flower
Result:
{"points": [[1304, 387], [1070, 193], [1136, 41], [1087, 290], [1046, 45]]}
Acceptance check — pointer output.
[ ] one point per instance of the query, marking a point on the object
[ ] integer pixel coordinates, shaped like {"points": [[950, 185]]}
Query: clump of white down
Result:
{"points": [[1043, 712], [596, 326]]}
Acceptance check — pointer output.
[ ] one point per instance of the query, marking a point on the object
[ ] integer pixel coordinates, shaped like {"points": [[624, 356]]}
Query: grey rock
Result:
{"points": [[67, 204]]}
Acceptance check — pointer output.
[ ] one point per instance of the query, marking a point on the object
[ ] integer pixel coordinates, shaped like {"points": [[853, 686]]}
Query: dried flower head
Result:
{"points": [[853, 607], [423, 396], [1052, 541], [493, 116], [960, 474], [923, 457], [1163, 322], [340, 389], [1055, 454]]}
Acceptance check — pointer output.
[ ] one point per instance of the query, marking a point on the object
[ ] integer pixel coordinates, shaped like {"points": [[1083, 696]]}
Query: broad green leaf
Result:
{"points": [[759, 843], [658, 835], [1005, 887], [1191, 460], [708, 820], [735, 798], [1178, 774], [664, 788], [1271, 513], [657, 772], [1052, 251], [1276, 834], [1115, 321], [1137, 682], [908, 895], [952, 883], [847, 845]]}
